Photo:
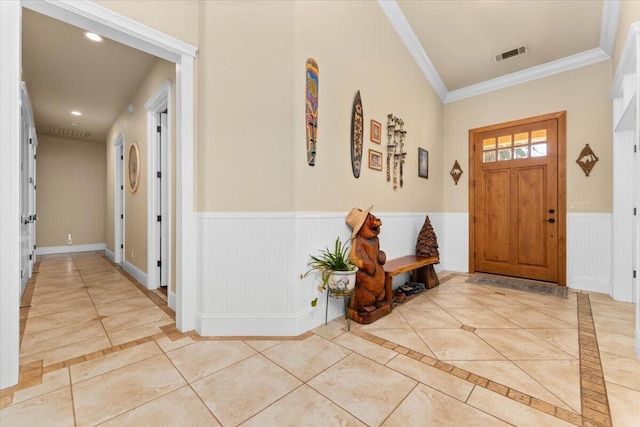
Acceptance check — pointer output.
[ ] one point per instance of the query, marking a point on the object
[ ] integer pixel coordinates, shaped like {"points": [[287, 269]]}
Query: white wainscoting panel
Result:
{"points": [[251, 266], [589, 251], [454, 245]]}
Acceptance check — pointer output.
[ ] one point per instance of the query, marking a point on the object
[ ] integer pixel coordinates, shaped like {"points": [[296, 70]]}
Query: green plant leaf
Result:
{"points": [[314, 302]]}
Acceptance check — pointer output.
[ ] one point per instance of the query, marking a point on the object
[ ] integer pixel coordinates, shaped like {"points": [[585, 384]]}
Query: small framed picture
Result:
{"points": [[375, 160], [375, 131], [423, 163]]}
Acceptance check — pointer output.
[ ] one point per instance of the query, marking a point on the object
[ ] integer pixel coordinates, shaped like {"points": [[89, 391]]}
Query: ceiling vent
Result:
{"points": [[511, 53], [71, 133]]}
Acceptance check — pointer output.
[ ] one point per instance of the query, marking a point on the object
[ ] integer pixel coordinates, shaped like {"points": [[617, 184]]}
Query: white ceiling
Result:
{"points": [[65, 71], [453, 42]]}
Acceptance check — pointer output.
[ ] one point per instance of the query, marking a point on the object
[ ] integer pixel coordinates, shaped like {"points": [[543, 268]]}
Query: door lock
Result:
{"points": [[550, 220]]}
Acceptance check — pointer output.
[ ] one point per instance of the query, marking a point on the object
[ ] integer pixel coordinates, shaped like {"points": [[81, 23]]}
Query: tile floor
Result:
{"points": [[98, 349]]}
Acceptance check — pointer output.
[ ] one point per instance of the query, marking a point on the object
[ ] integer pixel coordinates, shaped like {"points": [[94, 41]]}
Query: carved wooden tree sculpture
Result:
{"points": [[371, 299], [427, 246]]}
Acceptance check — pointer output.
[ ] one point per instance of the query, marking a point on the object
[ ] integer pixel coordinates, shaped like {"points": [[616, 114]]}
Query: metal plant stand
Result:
{"points": [[343, 295]]}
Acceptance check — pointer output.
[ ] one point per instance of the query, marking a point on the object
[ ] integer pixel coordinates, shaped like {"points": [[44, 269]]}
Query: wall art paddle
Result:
{"points": [[357, 130], [311, 109]]}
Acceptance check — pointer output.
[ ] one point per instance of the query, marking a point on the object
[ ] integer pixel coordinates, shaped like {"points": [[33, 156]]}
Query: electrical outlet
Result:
{"points": [[69, 239], [132, 253]]}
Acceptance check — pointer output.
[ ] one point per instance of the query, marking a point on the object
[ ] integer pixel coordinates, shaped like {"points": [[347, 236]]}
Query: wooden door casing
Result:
{"points": [[512, 201]]}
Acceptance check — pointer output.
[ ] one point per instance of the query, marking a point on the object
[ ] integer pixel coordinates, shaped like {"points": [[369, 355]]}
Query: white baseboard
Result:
{"points": [[137, 274], [637, 343], [589, 284], [49, 250], [110, 255], [171, 300]]}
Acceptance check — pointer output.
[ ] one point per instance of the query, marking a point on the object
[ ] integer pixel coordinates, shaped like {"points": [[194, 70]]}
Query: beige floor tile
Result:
{"points": [[52, 409], [203, 358], [405, 337], [624, 404], [167, 345], [138, 332], [616, 344], [444, 288], [480, 318], [536, 300], [51, 381], [518, 344], [457, 344], [37, 342], [560, 377], [118, 307], [622, 371], [132, 319], [71, 351], [568, 315], [63, 294], [110, 362], [508, 374], [391, 321], [307, 358], [565, 339], [616, 309], [470, 288], [304, 407], [106, 396], [433, 377], [494, 300], [178, 408], [249, 386], [419, 303], [103, 295], [529, 317], [436, 318], [611, 324], [49, 287], [511, 411], [58, 320], [428, 407], [331, 330], [365, 348], [76, 303], [453, 300], [367, 390]]}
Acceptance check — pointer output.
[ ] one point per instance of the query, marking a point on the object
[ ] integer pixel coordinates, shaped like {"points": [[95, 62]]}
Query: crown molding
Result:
{"points": [[627, 60], [401, 25], [609, 25], [578, 60]]}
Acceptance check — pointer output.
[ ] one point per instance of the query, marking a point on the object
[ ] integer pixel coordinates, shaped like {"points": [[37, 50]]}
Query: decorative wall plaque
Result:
{"points": [[357, 130], [134, 167], [311, 110], [587, 159], [456, 172]]}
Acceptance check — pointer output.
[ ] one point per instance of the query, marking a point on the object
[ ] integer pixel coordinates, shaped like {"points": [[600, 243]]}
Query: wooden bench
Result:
{"points": [[421, 269]]}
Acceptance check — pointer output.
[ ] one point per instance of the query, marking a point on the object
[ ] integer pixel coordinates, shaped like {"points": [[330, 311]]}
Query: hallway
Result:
{"points": [[99, 349]]}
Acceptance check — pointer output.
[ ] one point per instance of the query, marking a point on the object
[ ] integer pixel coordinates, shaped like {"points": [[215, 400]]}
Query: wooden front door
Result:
{"points": [[517, 217]]}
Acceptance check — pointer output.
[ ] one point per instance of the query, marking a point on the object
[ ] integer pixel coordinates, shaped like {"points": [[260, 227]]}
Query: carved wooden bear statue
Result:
{"points": [[371, 300]]}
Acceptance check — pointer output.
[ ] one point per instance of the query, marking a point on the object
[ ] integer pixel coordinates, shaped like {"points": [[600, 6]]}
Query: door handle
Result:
{"points": [[550, 220]]}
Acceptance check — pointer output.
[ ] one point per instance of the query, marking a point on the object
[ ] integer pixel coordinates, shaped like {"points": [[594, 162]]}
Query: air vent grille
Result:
{"points": [[71, 133], [510, 54]]}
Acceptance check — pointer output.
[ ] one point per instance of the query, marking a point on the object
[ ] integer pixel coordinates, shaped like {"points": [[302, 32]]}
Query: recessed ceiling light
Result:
{"points": [[93, 36], [76, 113]]}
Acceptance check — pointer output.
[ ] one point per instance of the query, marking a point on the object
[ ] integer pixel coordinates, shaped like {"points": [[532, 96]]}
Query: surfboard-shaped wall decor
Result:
{"points": [[312, 110], [357, 130]]}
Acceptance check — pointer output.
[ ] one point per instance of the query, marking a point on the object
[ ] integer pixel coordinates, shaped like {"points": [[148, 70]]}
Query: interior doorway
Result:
{"points": [[517, 213]]}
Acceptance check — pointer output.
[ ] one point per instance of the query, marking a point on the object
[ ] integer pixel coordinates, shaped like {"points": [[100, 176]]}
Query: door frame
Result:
{"points": [[157, 103], [118, 196], [96, 18], [561, 117]]}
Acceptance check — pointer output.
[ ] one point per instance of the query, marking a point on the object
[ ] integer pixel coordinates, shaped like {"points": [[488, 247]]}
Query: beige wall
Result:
{"points": [[629, 13], [357, 49], [583, 93], [70, 191], [252, 153], [134, 127]]}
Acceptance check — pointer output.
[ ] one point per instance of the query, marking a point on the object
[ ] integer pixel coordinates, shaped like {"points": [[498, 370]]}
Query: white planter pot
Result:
{"points": [[342, 281]]}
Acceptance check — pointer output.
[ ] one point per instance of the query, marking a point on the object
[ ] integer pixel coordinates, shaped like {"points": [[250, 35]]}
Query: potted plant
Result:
{"points": [[336, 270]]}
